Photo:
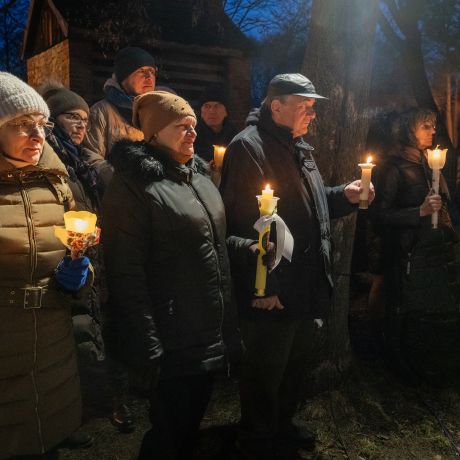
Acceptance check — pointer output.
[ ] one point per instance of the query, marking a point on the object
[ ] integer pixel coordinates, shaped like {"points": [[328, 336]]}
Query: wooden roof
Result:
{"points": [[190, 22]]}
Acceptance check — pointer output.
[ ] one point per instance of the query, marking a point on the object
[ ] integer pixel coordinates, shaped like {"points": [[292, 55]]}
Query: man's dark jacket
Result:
{"points": [[266, 153], [167, 264], [206, 138]]}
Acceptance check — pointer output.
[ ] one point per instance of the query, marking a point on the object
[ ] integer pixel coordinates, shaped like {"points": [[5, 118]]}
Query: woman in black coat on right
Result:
{"points": [[421, 290]]}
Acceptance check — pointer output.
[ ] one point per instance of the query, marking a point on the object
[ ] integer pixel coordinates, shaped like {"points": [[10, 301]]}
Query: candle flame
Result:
{"points": [[219, 148], [267, 188], [369, 159], [437, 153], [81, 225]]}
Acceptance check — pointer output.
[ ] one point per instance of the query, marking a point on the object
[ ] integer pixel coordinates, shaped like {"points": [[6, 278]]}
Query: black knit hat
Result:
{"points": [[213, 94], [61, 99], [130, 59]]}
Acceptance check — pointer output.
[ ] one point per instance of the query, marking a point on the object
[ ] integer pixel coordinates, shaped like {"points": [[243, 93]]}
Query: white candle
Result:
{"points": [[436, 161], [266, 201], [366, 173], [219, 153]]}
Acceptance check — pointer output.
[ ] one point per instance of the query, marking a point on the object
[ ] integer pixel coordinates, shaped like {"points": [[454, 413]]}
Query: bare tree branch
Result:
{"points": [[7, 6]]}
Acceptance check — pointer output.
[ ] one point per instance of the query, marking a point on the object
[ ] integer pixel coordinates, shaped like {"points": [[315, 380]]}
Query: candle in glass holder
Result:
{"points": [[267, 206], [366, 172], [80, 232], [80, 221], [436, 161], [219, 153]]}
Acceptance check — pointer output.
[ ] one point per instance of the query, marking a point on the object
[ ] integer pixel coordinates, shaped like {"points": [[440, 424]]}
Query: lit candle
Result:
{"points": [[80, 221], [267, 206], [219, 153], [436, 161], [366, 172], [80, 232]]}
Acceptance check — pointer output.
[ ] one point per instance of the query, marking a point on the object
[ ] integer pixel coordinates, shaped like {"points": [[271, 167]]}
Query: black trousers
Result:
{"points": [[279, 354], [177, 406]]}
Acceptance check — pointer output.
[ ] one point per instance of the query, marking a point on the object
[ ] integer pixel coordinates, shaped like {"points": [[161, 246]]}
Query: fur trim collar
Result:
{"points": [[148, 163]]}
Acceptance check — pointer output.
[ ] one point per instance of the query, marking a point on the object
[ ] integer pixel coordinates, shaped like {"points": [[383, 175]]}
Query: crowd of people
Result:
{"points": [[167, 299]]}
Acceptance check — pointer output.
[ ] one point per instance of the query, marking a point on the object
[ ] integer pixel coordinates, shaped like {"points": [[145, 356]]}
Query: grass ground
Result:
{"points": [[371, 415]]}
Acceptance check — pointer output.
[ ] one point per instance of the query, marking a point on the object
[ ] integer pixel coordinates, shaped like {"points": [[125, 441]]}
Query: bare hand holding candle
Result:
{"points": [[80, 232], [366, 173], [267, 206], [436, 161]]}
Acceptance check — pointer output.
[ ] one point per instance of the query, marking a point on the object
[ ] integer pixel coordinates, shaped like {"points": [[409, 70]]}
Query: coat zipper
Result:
{"points": [[37, 398], [33, 265], [221, 297]]}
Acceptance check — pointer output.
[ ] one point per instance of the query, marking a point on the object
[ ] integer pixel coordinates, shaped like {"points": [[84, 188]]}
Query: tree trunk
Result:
{"points": [[338, 60], [449, 126], [407, 21], [455, 110]]}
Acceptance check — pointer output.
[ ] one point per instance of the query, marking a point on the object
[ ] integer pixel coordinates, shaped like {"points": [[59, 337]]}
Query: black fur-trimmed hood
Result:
{"points": [[149, 163]]}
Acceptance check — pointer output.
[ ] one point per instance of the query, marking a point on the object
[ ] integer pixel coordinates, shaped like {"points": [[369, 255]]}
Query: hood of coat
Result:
{"points": [[149, 163], [49, 162]]}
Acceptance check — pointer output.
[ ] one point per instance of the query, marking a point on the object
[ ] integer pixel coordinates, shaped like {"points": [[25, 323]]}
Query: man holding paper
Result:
{"points": [[279, 329]]}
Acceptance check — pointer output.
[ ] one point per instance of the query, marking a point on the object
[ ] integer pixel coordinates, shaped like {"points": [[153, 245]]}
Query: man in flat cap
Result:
{"points": [[134, 73], [280, 329]]}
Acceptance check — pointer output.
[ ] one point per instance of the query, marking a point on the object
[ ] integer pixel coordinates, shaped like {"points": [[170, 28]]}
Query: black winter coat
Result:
{"points": [[266, 153], [167, 263], [416, 258]]}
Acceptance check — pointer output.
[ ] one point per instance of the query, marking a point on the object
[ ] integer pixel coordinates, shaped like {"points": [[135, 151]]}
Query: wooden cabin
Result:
{"points": [[194, 43]]}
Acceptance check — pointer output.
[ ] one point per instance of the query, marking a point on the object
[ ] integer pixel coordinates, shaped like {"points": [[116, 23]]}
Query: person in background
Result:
{"points": [[70, 113], [134, 73], [168, 271], [280, 330], [213, 127], [421, 286], [40, 402]]}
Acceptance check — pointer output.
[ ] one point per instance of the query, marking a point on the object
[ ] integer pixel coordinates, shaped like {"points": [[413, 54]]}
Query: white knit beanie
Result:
{"points": [[18, 98]]}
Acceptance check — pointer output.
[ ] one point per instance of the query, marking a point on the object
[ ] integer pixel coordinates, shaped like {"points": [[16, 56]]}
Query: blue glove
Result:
{"points": [[72, 274]]}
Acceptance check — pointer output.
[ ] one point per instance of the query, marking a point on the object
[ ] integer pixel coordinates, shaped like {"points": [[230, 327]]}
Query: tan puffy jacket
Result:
{"points": [[107, 126], [39, 386]]}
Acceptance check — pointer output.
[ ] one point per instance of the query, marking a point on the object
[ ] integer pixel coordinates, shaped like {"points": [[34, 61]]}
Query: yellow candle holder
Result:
{"points": [[80, 232], [267, 207]]}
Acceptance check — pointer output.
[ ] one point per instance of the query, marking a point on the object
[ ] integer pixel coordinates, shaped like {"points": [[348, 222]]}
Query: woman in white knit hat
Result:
{"points": [[39, 384]]}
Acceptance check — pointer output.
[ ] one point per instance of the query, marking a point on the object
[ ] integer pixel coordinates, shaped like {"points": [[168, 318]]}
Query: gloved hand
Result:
{"points": [[269, 258], [72, 274]]}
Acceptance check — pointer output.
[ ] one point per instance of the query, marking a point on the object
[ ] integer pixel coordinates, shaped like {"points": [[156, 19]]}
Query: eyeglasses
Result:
{"points": [[428, 126], [76, 119], [29, 127]]}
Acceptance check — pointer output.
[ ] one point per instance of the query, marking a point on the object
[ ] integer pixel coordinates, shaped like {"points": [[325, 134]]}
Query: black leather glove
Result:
{"points": [[269, 258]]}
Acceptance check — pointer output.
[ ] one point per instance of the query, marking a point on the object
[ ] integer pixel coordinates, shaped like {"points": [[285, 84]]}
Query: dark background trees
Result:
{"points": [[13, 15]]}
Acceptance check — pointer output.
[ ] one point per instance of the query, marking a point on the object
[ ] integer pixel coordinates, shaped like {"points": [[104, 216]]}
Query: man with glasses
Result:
{"points": [[134, 74], [280, 330]]}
